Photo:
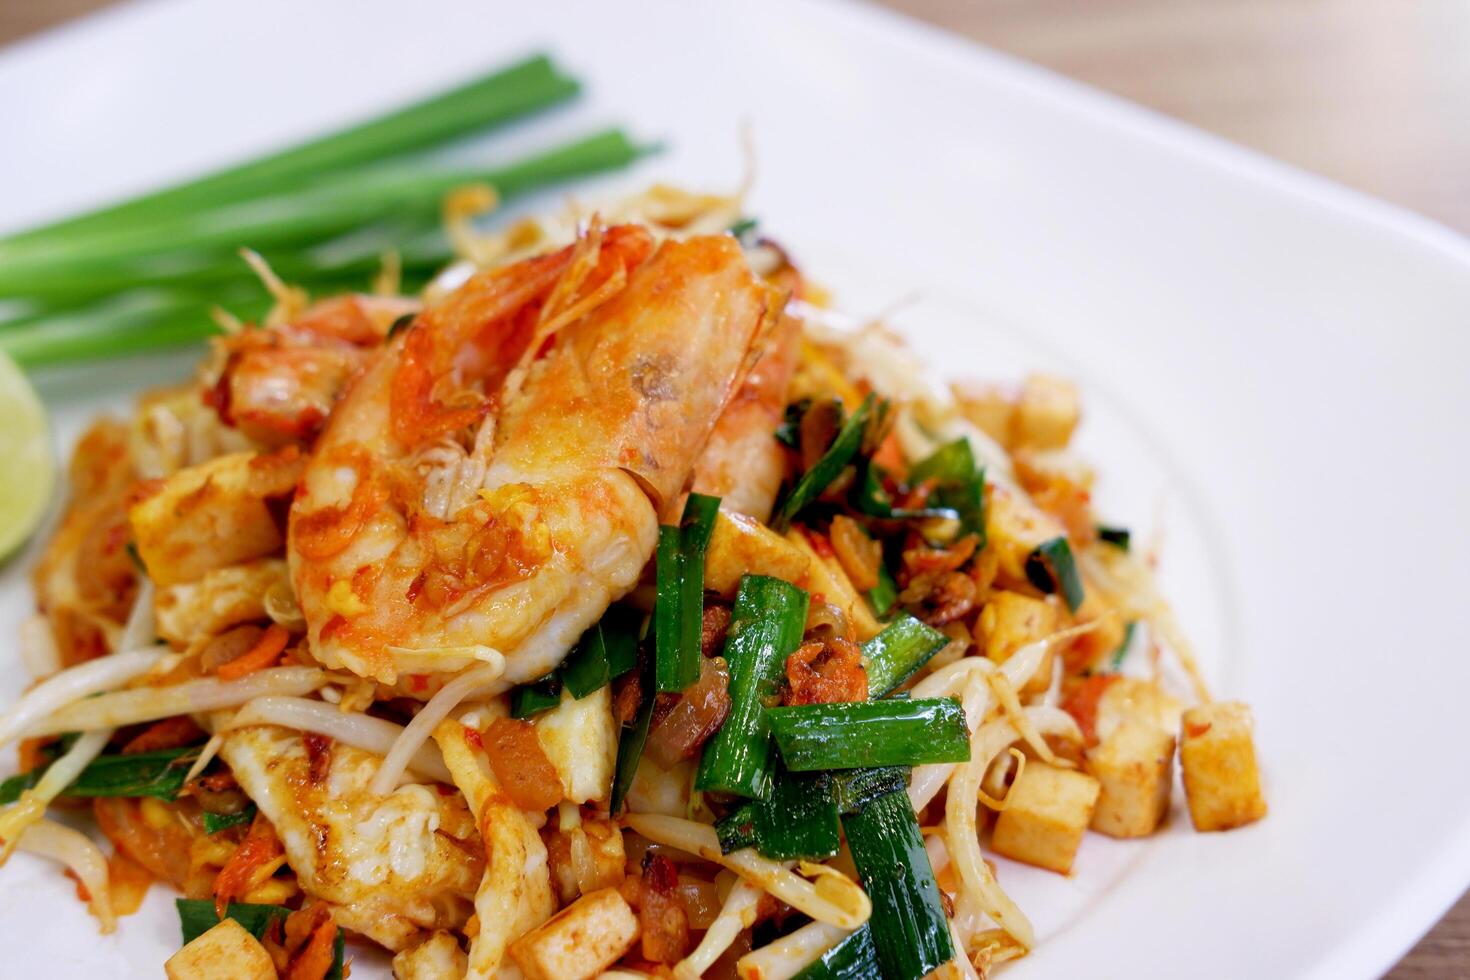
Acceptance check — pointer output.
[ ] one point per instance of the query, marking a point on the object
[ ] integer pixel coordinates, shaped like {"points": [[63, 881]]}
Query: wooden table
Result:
{"points": [[1372, 93]]}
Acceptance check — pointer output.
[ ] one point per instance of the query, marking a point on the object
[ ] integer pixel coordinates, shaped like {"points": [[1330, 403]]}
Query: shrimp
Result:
{"points": [[278, 385], [743, 464], [494, 478]]}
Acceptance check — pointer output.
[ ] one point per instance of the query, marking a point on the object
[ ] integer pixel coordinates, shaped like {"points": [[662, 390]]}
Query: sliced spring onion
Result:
{"points": [[197, 916], [215, 822], [680, 601], [487, 101], [896, 732], [788, 433], [853, 789], [736, 829], [960, 486], [910, 932], [828, 467], [632, 738], [1051, 568], [606, 652], [1120, 654], [884, 595], [799, 820], [868, 495], [855, 958], [539, 695], [1119, 537], [904, 645], [159, 774], [765, 627]]}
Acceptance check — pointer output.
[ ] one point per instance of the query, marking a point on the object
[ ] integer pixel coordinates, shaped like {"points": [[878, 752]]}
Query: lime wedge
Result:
{"points": [[27, 467]]}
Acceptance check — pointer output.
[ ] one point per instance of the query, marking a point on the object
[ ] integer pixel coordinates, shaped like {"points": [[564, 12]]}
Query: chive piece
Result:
{"points": [[857, 734], [632, 737], [788, 433], [488, 101], [1051, 568], [680, 600], [855, 958], [215, 822], [1119, 537], [542, 694], [196, 917], [736, 830], [743, 227], [853, 789], [1120, 654], [869, 497], [401, 324], [961, 484], [884, 595], [903, 646], [826, 469], [800, 818], [606, 652], [910, 931], [158, 774], [668, 568], [765, 627]]}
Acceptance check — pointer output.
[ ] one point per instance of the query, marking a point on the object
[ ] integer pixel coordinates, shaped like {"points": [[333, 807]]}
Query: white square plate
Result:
{"points": [[1275, 365]]}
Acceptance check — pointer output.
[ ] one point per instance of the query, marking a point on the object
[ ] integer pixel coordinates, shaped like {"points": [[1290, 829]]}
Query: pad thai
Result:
{"points": [[612, 608]]}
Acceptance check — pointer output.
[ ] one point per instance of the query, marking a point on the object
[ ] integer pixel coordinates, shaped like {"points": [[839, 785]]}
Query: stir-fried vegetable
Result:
{"points": [[909, 928], [215, 822], [159, 774], [853, 789], [828, 467], [855, 735], [1052, 568], [1119, 537], [633, 736], [765, 627], [959, 484], [797, 821], [855, 958], [540, 695], [196, 917], [680, 603], [895, 654], [606, 652]]}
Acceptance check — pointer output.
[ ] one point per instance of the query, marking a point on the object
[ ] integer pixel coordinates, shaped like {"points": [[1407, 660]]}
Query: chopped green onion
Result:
{"points": [[800, 818], [788, 433], [909, 928], [215, 822], [606, 652], [884, 595], [855, 958], [158, 774], [765, 627], [853, 789], [736, 830], [401, 324], [488, 101], [632, 737], [868, 495], [858, 734], [1051, 568], [743, 227], [903, 646], [828, 468], [1120, 654], [680, 601], [542, 694], [961, 484], [197, 916], [1119, 537]]}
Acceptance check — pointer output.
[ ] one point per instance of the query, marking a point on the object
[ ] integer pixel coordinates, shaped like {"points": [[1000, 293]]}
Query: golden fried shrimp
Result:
{"points": [[278, 385], [743, 464], [494, 479]]}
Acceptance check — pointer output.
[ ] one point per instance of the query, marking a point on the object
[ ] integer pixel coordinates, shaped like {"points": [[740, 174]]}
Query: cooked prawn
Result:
{"points": [[494, 478]]}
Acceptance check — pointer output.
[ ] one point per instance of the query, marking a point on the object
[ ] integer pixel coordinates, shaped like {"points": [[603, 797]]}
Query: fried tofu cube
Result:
{"points": [[436, 958], [1047, 413], [1046, 813], [226, 952], [990, 407], [1014, 526], [1134, 768], [740, 545], [1217, 753], [580, 941], [212, 515], [1009, 622]]}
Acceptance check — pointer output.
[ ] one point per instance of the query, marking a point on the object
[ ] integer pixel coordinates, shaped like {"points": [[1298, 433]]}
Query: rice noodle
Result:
{"points": [[786, 957], [135, 706], [31, 806], [77, 851], [71, 685], [436, 709], [737, 914], [842, 904], [206, 756], [358, 730]]}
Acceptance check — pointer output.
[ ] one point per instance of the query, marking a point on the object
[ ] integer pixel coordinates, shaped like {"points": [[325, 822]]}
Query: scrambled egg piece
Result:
{"points": [[391, 866]]}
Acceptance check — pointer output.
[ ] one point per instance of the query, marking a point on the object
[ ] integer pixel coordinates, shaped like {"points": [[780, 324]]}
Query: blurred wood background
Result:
{"points": [[1374, 94]]}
